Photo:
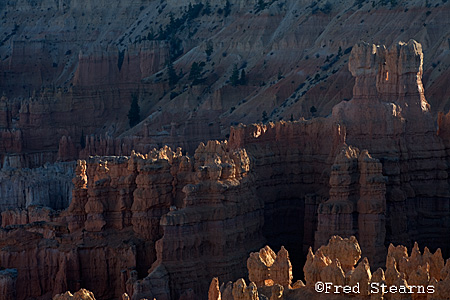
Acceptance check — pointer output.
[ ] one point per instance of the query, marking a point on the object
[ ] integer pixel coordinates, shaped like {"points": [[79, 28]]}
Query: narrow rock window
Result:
{"points": [[387, 75]]}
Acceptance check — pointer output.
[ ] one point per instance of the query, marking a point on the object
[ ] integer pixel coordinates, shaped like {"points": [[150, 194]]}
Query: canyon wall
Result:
{"points": [[342, 270], [161, 224], [47, 186], [71, 68]]}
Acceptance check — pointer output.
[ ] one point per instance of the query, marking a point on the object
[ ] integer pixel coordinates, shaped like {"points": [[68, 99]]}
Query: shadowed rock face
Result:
{"points": [[375, 169], [72, 68], [414, 277]]}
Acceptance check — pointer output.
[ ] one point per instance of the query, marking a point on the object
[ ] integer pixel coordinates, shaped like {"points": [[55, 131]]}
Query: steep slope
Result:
{"points": [[71, 69]]}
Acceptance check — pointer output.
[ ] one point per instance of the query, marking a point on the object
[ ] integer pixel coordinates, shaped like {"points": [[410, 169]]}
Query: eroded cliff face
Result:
{"points": [[71, 68], [164, 210], [46, 186], [161, 224], [336, 265]]}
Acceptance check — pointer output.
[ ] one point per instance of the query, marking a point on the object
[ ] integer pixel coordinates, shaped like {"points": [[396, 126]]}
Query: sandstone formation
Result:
{"points": [[8, 280], [74, 74], [268, 266], [69, 71], [218, 212], [418, 283], [162, 223], [125, 215], [82, 294], [47, 186]]}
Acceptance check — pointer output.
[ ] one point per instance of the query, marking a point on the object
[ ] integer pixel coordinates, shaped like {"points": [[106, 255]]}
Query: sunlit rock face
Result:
{"points": [[341, 263]]}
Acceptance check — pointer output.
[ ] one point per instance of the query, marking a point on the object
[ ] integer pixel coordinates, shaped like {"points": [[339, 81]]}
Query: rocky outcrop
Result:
{"points": [[388, 85], [418, 283], [357, 202], [217, 212], [82, 294], [8, 279], [267, 268], [161, 224], [113, 65], [125, 215], [47, 186]]}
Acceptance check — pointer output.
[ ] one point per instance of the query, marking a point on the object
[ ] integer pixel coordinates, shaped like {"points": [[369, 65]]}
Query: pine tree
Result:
{"points": [[134, 113], [207, 9], [264, 117], [196, 72], [209, 49], [234, 78], [151, 35], [227, 9], [243, 79], [173, 77], [280, 74], [260, 5]]}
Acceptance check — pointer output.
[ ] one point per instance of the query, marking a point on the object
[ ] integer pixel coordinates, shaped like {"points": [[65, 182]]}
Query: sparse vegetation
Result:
{"points": [[326, 9], [227, 9], [264, 117], [280, 75], [243, 78], [173, 77], [209, 48], [260, 5], [234, 78], [207, 9], [120, 59], [196, 72]]}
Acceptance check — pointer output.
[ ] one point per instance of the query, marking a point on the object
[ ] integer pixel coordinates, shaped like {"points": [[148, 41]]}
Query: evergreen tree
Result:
{"points": [[196, 72], [151, 35], [260, 5], [207, 9], [227, 9], [280, 74], [173, 78], [134, 113], [264, 117], [243, 79], [234, 78], [209, 48]]}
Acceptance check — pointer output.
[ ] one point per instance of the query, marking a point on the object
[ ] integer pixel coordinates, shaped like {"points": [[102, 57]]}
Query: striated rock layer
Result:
{"points": [[71, 69], [415, 276], [46, 186], [163, 223]]}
